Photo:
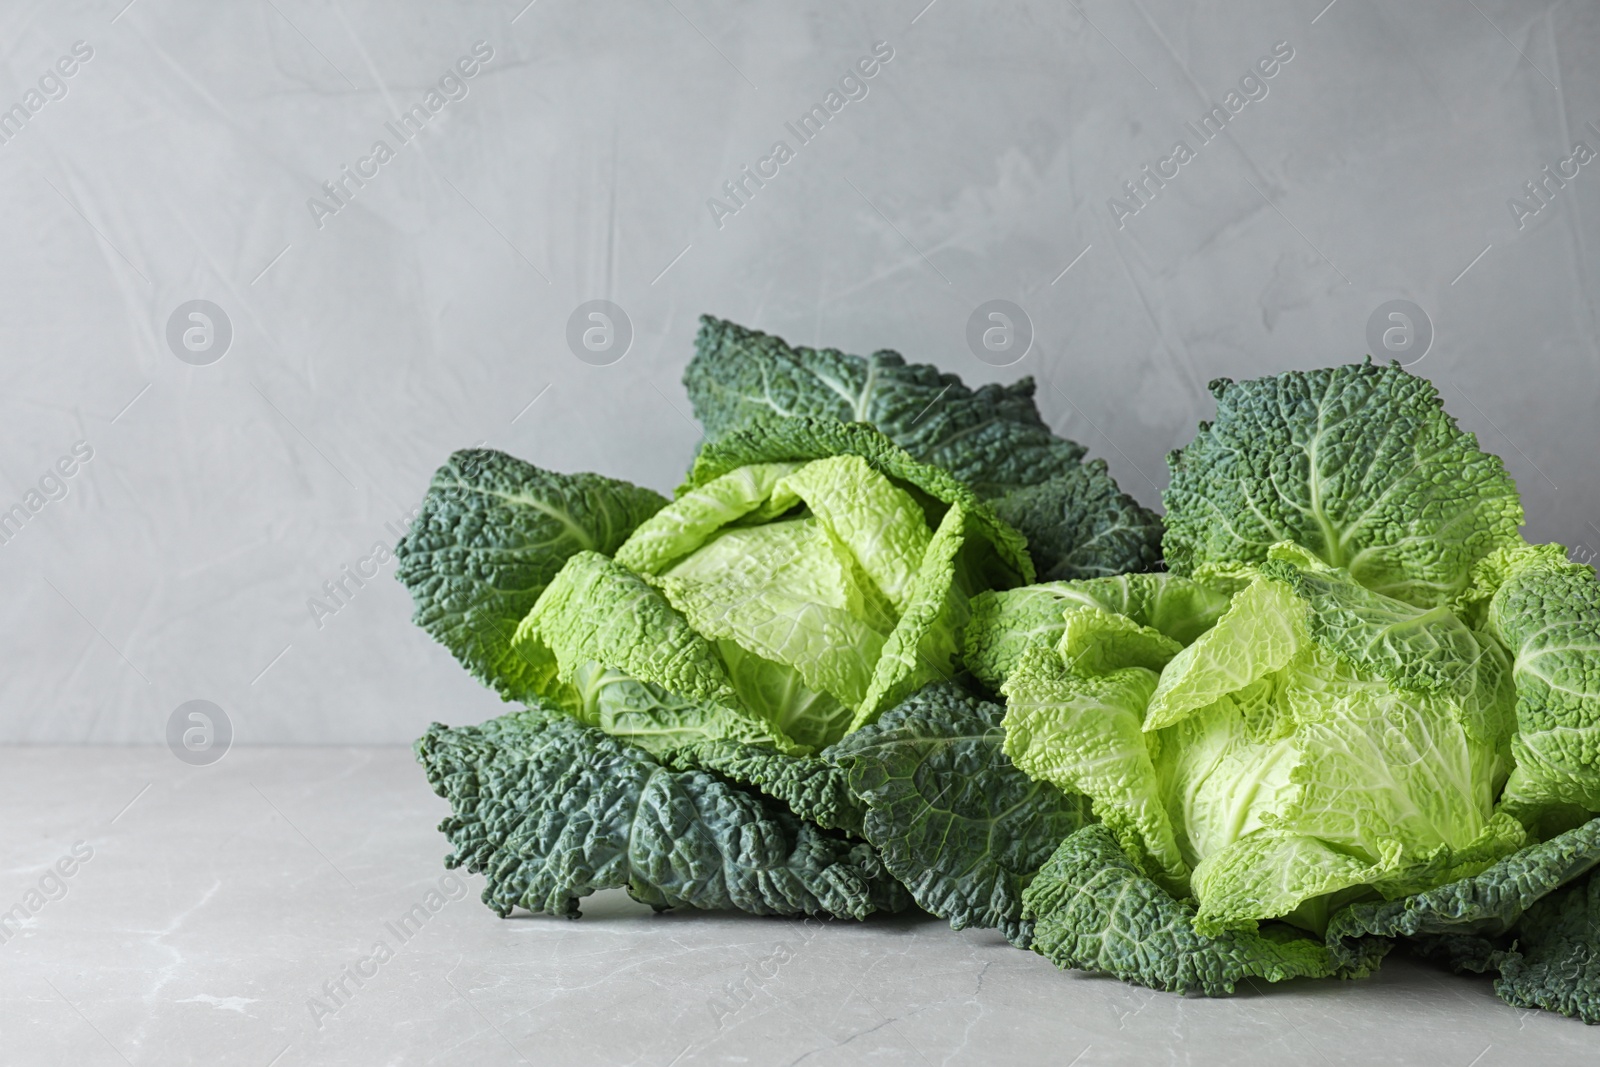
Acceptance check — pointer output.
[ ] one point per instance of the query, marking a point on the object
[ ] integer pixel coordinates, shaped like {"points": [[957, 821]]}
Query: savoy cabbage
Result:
{"points": [[892, 641], [806, 578], [1359, 706], [786, 627]]}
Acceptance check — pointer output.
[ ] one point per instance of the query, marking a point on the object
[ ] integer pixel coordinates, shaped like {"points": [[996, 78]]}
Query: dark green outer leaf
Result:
{"points": [[493, 531], [1486, 905], [813, 789], [1077, 522], [1359, 464], [991, 438], [1556, 963], [1094, 911], [551, 811], [961, 827]]}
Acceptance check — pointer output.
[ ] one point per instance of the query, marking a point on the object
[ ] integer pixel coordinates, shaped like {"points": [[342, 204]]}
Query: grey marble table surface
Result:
{"points": [[234, 914]]}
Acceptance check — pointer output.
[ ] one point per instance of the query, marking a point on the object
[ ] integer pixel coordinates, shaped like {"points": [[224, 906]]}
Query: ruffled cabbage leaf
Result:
{"points": [[1359, 464], [1093, 909], [961, 827], [1548, 615], [1534, 917], [491, 533], [813, 788], [1556, 962], [1078, 523], [1005, 623], [550, 811]]}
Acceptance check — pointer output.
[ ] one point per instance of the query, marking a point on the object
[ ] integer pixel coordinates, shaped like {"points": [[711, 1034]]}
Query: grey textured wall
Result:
{"points": [[430, 309]]}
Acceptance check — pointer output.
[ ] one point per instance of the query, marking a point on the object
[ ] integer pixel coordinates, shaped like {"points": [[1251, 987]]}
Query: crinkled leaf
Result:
{"points": [[691, 519], [1078, 523], [1270, 874], [1548, 615], [822, 591], [1534, 917], [1005, 622], [771, 439], [491, 534], [1093, 910], [961, 827], [777, 693], [1380, 764], [813, 788], [1415, 648], [1083, 734], [1420, 649], [1496, 569], [1367, 786], [605, 626], [923, 647], [1556, 963], [990, 436], [1259, 633], [1098, 642], [779, 590], [1304, 879], [1261, 772], [880, 525], [851, 589], [1486, 905], [550, 811], [1359, 464]]}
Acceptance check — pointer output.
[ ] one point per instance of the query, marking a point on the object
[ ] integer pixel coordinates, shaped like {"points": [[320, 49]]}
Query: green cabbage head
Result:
{"points": [[808, 576], [1273, 740]]}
